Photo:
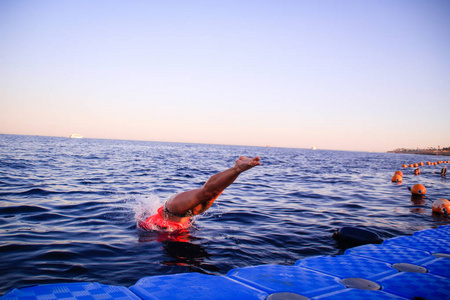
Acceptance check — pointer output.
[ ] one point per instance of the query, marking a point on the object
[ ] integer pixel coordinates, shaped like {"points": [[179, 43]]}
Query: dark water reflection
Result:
{"points": [[68, 207]]}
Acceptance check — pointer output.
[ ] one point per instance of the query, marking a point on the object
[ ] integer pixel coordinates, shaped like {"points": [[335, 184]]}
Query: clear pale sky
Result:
{"points": [[343, 75]]}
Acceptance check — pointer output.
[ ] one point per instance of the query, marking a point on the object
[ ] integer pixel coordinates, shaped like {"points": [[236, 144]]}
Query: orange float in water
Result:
{"points": [[428, 163], [441, 206], [421, 164], [404, 166], [411, 166], [399, 173], [418, 189], [416, 165], [397, 178]]}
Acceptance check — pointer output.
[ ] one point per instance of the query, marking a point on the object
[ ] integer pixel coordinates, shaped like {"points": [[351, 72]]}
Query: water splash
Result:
{"points": [[144, 207]]}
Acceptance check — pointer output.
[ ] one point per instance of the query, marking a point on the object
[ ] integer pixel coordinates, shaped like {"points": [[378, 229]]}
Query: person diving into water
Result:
{"points": [[175, 214]]}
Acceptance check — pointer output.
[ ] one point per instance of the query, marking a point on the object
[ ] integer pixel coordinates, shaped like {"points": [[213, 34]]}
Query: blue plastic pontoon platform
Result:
{"points": [[407, 267]]}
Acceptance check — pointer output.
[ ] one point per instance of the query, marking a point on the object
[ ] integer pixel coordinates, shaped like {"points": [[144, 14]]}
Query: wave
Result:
{"points": [[68, 211], [20, 209]]}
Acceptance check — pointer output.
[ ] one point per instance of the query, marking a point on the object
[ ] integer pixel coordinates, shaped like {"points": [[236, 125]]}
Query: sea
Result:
{"points": [[69, 207]]}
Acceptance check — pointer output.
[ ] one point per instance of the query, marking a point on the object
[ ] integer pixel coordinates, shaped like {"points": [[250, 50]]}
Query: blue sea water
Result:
{"points": [[69, 207]]}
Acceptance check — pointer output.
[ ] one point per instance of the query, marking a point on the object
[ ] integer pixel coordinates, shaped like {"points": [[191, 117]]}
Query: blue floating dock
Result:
{"points": [[348, 266], [77, 290], [406, 267], [194, 286], [278, 279]]}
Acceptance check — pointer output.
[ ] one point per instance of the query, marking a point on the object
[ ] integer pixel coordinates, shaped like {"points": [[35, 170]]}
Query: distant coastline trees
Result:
{"points": [[428, 151]]}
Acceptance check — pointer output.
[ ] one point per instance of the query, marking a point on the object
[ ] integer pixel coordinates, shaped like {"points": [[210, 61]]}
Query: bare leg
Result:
{"points": [[199, 200]]}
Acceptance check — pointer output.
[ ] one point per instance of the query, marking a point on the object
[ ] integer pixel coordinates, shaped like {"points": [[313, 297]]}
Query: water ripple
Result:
{"points": [[69, 207]]}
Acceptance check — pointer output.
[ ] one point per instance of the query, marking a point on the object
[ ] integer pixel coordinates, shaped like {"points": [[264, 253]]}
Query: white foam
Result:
{"points": [[144, 207], [147, 206]]}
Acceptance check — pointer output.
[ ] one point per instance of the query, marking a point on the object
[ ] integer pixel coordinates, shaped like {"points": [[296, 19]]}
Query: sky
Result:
{"points": [[340, 75]]}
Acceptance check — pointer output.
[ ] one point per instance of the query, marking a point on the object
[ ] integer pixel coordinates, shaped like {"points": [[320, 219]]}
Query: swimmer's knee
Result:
{"points": [[208, 195], [205, 195]]}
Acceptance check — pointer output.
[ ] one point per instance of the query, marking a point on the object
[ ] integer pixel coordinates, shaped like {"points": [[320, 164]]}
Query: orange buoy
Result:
{"points": [[397, 178], [399, 173], [416, 165], [428, 163], [421, 164], [411, 165], [441, 206], [418, 189], [404, 166]]}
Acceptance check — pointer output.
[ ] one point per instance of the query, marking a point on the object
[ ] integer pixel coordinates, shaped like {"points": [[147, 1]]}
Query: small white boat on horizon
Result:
{"points": [[75, 136], [313, 148]]}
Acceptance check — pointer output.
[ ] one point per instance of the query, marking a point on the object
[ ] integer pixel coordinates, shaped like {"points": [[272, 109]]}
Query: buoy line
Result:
{"points": [[418, 191]]}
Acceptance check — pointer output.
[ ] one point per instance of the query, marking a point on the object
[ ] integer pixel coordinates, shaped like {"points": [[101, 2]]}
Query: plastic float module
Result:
{"points": [[404, 267]]}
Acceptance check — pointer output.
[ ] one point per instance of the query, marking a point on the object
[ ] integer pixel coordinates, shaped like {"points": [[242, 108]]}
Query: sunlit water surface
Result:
{"points": [[69, 207]]}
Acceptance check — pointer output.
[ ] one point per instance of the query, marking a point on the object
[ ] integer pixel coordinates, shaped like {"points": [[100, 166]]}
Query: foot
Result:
{"points": [[246, 163]]}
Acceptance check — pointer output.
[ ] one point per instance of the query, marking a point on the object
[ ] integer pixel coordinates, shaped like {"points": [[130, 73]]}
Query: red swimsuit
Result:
{"points": [[157, 222]]}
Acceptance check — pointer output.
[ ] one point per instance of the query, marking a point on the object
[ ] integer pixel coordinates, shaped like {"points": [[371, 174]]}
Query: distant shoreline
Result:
{"points": [[423, 152]]}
